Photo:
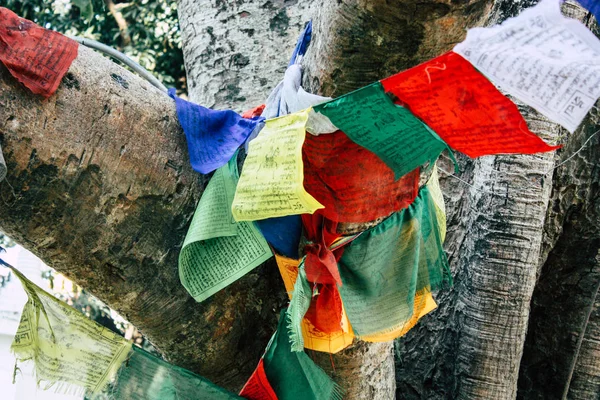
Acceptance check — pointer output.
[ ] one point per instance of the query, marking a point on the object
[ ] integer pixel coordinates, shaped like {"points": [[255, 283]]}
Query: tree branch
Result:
{"points": [[104, 192]]}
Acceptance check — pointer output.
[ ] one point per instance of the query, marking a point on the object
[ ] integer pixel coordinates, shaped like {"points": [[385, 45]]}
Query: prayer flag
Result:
{"points": [[289, 97], [302, 43], [293, 375], [36, 57], [371, 119], [67, 349], [543, 58], [258, 386], [217, 250], [212, 136], [271, 184], [282, 233], [353, 183], [464, 108], [388, 266], [146, 377]]}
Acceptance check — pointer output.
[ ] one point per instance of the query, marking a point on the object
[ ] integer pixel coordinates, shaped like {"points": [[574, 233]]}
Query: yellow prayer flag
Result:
{"points": [[424, 304], [313, 338], [67, 348], [271, 184]]}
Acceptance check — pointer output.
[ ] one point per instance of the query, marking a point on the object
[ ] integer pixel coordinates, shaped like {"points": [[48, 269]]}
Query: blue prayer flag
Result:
{"points": [[212, 136]]}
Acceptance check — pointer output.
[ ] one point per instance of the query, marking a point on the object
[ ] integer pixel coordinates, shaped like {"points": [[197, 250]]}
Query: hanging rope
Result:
{"points": [[580, 341], [121, 57]]}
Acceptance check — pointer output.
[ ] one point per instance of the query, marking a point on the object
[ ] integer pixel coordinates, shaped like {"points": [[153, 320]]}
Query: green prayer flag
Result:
{"points": [[293, 375], [371, 119], [145, 377], [217, 250], [299, 305], [69, 351], [386, 266]]}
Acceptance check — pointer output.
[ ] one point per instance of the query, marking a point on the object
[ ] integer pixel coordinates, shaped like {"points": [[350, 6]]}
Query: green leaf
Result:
{"points": [[86, 9]]}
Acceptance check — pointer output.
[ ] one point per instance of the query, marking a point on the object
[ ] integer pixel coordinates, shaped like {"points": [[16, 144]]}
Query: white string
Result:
{"points": [[544, 174]]}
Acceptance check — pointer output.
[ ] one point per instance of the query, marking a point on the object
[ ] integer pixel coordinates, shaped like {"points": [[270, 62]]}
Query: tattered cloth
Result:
{"points": [[69, 351], [387, 266], [144, 376], [36, 57], [292, 375]]}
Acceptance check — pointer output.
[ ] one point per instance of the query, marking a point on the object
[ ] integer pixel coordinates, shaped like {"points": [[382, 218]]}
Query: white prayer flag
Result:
{"points": [[543, 58]]}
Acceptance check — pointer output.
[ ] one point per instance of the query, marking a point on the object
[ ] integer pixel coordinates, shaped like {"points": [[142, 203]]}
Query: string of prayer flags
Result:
{"points": [[146, 377], [371, 119], [387, 266], [212, 136], [271, 184], [543, 58], [353, 183], [36, 57], [217, 250], [68, 349], [592, 6], [464, 108], [293, 375], [313, 338]]}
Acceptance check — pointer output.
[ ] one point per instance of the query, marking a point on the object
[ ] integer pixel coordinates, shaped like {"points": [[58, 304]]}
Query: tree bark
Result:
{"points": [[100, 187], [498, 241]]}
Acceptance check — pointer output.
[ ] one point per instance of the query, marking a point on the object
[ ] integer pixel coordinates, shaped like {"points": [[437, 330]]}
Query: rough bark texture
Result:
{"points": [[568, 284], [354, 43], [100, 187], [497, 242]]}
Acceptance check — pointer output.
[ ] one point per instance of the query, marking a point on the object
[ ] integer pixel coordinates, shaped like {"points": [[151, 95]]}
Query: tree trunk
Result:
{"points": [[99, 186]]}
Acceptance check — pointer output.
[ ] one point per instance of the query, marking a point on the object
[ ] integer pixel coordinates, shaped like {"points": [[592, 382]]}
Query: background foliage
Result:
{"points": [[151, 24]]}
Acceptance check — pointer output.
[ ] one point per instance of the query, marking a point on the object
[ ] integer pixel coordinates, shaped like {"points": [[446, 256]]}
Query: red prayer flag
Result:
{"points": [[464, 108], [258, 386], [36, 57], [254, 112], [325, 311], [351, 182]]}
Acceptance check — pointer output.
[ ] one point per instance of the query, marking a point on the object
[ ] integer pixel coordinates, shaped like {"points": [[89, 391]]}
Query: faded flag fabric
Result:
{"points": [[36, 57], [217, 250], [147, 377], [70, 352], [388, 266], [546, 60]]}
